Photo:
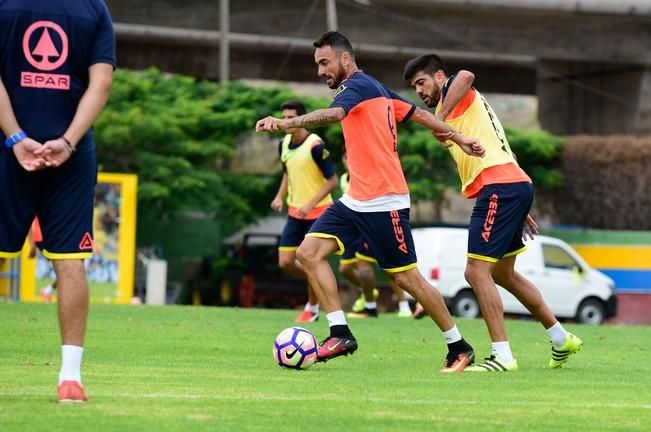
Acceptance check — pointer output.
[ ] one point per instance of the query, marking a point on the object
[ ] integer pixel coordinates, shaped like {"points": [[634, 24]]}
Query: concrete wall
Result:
{"points": [[594, 98], [590, 70]]}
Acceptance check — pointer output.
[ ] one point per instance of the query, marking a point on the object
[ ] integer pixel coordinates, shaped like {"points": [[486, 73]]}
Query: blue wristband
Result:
{"points": [[15, 139]]}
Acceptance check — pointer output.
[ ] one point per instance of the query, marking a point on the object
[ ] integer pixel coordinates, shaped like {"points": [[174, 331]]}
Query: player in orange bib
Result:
{"points": [[357, 265], [504, 194], [376, 207]]}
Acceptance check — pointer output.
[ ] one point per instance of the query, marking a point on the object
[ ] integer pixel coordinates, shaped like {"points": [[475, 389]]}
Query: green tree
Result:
{"points": [[178, 135], [538, 153]]}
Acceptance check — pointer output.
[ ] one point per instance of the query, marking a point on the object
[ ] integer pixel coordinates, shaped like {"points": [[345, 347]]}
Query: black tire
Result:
{"points": [[591, 311], [465, 305]]}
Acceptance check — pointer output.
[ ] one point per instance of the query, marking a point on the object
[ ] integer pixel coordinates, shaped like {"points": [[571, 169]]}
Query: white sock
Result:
{"points": [[557, 334], [453, 335], [312, 308], [336, 318], [502, 350], [404, 306], [48, 290], [70, 363], [370, 305]]}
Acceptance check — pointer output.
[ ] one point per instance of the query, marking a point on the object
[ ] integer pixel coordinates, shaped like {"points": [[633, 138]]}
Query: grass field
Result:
{"points": [[209, 369]]}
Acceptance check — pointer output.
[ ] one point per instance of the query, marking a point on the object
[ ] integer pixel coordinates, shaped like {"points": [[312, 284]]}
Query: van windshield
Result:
{"points": [[556, 257]]}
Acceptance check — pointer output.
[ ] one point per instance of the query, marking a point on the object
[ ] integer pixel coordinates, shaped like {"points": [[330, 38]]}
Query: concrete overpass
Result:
{"points": [[588, 61]]}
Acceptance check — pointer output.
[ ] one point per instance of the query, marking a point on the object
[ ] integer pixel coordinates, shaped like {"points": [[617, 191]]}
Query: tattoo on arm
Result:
{"points": [[317, 118]]}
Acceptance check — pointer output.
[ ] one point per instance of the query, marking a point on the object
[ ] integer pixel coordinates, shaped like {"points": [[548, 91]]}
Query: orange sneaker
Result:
{"points": [[419, 312], [457, 362], [307, 316], [47, 298], [72, 392]]}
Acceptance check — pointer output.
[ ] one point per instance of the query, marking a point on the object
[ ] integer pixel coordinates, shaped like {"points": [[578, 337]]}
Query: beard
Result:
{"points": [[337, 78], [434, 97], [431, 99]]}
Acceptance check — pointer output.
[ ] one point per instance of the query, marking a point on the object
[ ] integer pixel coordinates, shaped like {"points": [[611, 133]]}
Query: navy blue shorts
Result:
{"points": [[61, 197], [359, 251], [294, 233], [387, 233], [497, 221]]}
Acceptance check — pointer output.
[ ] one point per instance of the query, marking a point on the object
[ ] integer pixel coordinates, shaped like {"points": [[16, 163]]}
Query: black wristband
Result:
{"points": [[69, 146]]}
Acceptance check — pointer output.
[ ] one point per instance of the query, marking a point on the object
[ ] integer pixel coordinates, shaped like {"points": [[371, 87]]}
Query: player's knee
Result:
{"points": [[307, 254], [474, 274], [405, 281]]}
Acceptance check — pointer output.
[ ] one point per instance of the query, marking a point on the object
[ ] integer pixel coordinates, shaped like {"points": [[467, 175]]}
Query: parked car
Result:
{"points": [[571, 288], [250, 277]]}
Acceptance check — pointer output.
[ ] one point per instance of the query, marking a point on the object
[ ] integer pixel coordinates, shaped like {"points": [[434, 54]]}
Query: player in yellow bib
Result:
{"points": [[309, 177], [504, 194]]}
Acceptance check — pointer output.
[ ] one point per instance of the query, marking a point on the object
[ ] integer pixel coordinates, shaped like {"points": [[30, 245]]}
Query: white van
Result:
{"points": [[571, 288]]}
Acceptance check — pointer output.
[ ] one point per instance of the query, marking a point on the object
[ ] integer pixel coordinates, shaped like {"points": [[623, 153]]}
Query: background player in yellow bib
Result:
{"points": [[504, 194], [309, 177]]}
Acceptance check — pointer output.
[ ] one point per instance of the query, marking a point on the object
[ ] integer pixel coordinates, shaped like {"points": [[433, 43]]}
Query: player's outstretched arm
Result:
{"points": [[469, 145], [459, 88], [319, 117]]}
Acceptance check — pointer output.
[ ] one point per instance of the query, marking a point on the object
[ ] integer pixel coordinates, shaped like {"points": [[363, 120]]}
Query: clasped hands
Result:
{"points": [[34, 156]]}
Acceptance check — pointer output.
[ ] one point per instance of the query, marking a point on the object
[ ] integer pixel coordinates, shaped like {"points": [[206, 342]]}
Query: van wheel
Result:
{"points": [[591, 311], [465, 305]]}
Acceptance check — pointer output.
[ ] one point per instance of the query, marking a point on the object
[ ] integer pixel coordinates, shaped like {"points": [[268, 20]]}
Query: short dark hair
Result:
{"points": [[428, 63], [338, 41], [295, 105]]}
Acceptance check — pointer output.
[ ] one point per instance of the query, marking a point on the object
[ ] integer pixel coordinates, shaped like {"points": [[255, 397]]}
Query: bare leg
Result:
{"points": [[367, 277], [362, 275], [431, 300], [478, 275], [400, 294], [312, 254], [350, 272], [288, 262], [505, 275], [73, 300]]}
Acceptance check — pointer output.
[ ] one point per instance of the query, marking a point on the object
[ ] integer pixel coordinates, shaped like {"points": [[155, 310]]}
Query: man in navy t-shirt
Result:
{"points": [[56, 69]]}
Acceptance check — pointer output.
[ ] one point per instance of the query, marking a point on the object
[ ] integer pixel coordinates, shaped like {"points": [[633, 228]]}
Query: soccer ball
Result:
{"points": [[295, 348]]}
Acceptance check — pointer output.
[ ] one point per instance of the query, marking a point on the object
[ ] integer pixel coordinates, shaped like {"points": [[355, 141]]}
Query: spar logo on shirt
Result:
{"points": [[45, 46]]}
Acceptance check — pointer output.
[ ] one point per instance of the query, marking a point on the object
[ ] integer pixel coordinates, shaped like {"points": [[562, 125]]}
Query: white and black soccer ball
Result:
{"points": [[295, 348]]}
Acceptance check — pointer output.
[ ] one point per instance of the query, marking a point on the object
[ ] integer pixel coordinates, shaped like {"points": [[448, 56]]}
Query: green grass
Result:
{"points": [[207, 369]]}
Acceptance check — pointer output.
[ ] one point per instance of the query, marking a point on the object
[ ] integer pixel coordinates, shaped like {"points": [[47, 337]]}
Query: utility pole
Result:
{"points": [[331, 14], [224, 45]]}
